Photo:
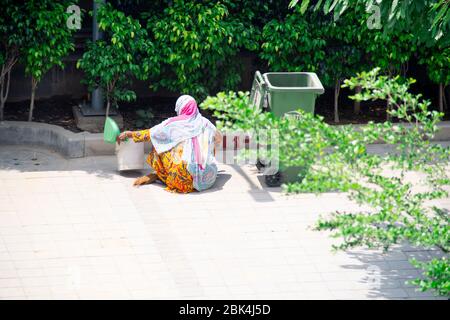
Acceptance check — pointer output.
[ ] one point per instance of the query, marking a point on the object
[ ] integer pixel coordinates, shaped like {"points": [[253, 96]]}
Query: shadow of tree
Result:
{"points": [[386, 274]]}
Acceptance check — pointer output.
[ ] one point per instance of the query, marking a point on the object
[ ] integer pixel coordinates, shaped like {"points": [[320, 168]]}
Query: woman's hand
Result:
{"points": [[124, 136]]}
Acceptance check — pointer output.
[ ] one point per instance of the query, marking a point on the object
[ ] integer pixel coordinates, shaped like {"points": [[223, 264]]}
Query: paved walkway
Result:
{"points": [[76, 229]]}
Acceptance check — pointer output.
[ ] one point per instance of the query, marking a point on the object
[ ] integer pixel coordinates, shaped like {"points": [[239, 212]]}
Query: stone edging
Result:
{"points": [[83, 144], [67, 143]]}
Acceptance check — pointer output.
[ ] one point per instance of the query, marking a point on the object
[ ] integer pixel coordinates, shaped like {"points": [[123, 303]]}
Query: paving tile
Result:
{"points": [[10, 283], [15, 292]]}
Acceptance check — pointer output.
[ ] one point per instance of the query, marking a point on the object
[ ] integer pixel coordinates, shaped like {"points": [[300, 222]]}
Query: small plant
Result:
{"points": [[398, 211], [232, 110], [144, 118], [436, 275], [126, 52], [48, 40]]}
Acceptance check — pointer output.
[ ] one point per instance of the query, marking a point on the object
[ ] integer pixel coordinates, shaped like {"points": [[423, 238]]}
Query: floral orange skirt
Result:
{"points": [[168, 165]]}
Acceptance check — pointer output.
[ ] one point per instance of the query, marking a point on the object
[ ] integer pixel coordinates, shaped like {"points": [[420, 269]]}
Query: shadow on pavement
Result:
{"points": [[387, 273]]}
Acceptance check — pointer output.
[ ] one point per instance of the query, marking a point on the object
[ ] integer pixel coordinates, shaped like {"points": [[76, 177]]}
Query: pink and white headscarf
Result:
{"points": [[197, 133]]}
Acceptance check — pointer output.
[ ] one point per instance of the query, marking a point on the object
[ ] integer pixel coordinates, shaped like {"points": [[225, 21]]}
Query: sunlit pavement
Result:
{"points": [[77, 229]]}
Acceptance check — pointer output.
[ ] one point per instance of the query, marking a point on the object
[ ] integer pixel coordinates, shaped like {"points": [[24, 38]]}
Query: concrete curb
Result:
{"points": [[443, 133], [84, 144], [67, 143]]}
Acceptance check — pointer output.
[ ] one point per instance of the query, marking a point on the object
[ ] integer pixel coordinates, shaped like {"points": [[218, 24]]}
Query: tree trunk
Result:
{"points": [[109, 89], [108, 103], [446, 96], [445, 99], [357, 104], [5, 80], [2, 102], [4, 92], [441, 97], [388, 108], [33, 92], [337, 88]]}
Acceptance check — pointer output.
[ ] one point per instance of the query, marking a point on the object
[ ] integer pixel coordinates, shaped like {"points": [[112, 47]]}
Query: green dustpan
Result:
{"points": [[111, 131]]}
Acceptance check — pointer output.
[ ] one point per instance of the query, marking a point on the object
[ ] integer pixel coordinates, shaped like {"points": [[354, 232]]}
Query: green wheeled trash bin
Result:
{"points": [[282, 93]]}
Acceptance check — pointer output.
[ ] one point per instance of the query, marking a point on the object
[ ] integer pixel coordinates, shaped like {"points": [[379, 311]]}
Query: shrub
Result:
{"points": [[126, 52], [292, 44], [47, 41], [436, 275], [197, 44]]}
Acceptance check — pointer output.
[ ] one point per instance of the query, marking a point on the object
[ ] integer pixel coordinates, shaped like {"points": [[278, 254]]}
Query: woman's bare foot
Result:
{"points": [[150, 178]]}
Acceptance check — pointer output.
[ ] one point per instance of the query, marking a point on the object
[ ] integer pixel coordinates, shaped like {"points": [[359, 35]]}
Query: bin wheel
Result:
{"points": [[273, 180], [260, 165]]}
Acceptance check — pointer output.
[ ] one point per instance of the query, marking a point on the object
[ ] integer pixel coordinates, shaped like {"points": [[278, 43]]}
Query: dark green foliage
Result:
{"points": [[437, 61], [12, 37], [198, 44], [126, 52], [429, 20], [144, 118], [293, 44]]}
